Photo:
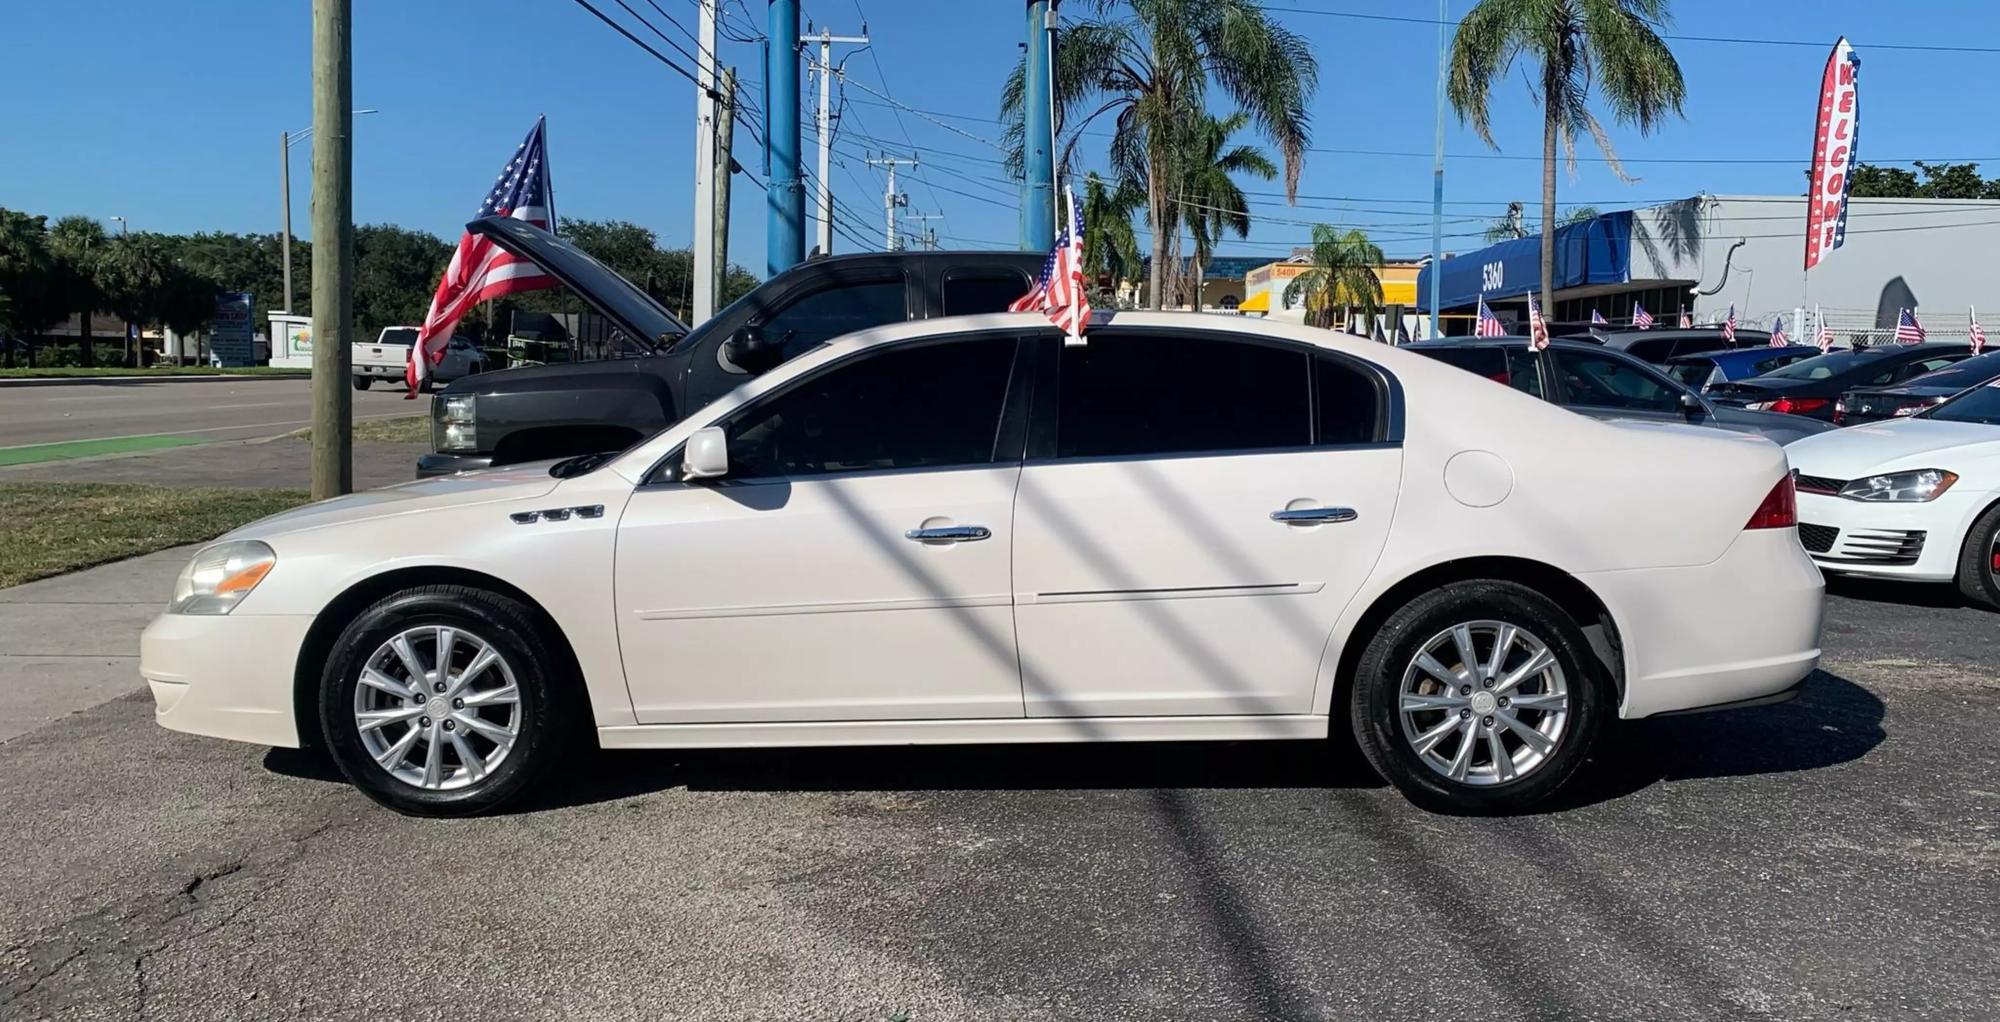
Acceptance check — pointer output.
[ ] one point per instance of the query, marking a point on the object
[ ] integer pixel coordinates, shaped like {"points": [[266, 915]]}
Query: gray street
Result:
{"points": [[1835, 857], [225, 409]]}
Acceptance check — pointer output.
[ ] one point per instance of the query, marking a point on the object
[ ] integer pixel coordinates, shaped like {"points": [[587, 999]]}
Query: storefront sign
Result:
{"points": [[231, 337]]}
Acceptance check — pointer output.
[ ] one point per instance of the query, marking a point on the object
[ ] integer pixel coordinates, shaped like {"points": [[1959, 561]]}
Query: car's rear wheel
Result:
{"points": [[446, 701], [1979, 560], [362, 382], [1478, 697]]}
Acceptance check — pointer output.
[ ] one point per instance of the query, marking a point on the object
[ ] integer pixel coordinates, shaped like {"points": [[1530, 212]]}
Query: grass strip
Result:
{"points": [[51, 528]]}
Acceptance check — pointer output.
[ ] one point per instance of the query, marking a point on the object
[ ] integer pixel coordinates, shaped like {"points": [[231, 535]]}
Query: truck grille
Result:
{"points": [[1817, 538]]}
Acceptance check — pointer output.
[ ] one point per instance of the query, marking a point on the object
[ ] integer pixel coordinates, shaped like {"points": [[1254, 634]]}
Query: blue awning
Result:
{"points": [[1596, 251]]}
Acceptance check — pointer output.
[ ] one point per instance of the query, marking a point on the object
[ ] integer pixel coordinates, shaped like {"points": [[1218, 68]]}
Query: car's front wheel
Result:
{"points": [[446, 701], [1478, 697], [1979, 560]]}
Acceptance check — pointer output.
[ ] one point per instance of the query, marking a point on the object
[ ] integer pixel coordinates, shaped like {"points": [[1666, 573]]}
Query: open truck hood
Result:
{"points": [[629, 309]]}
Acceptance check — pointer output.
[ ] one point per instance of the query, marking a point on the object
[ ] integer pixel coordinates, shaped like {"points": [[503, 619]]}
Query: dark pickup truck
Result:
{"points": [[667, 370]]}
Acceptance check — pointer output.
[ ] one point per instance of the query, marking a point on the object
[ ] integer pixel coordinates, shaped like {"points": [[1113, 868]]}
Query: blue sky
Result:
{"points": [[169, 114]]}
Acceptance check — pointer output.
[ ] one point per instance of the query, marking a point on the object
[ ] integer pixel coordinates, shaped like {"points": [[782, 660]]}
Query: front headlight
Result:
{"points": [[1901, 487], [454, 426], [220, 577]]}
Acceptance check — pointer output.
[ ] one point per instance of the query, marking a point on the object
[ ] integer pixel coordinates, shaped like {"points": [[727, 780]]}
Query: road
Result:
{"points": [[1834, 857], [196, 409]]}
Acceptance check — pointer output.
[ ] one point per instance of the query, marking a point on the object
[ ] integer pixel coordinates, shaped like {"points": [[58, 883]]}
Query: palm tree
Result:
{"points": [[1151, 70], [79, 242], [1110, 248], [1343, 271], [1612, 44], [1209, 199]]}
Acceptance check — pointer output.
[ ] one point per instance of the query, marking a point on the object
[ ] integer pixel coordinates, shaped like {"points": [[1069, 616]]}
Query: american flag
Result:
{"points": [[1778, 338], [1822, 333], [1687, 319], [480, 270], [1729, 326], [1489, 324], [1597, 319], [1538, 328], [1641, 318], [1402, 332], [1908, 330], [1974, 334], [1060, 292]]}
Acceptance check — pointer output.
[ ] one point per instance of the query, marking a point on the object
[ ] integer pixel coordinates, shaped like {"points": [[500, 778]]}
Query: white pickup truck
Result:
{"points": [[388, 355]]}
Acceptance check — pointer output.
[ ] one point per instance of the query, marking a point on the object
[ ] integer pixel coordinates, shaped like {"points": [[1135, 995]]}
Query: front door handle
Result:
{"points": [[950, 534], [1314, 515]]}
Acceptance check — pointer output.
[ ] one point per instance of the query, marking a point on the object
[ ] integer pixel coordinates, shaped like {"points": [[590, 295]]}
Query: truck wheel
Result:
{"points": [[362, 382], [1478, 697], [447, 701]]}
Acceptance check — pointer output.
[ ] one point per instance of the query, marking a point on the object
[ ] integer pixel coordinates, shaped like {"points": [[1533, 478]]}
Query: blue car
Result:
{"points": [[1709, 368]]}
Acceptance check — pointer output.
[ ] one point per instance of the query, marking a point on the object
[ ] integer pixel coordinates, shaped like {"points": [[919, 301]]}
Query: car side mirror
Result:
{"points": [[749, 350], [1691, 405], [706, 455]]}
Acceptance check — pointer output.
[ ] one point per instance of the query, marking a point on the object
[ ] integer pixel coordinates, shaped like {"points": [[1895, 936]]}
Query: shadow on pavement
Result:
{"points": [[1909, 594]]}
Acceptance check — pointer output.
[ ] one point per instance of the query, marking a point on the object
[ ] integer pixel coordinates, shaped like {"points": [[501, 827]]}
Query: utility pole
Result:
{"points": [[1038, 155], [929, 237], [725, 165], [704, 167], [824, 123], [285, 240], [1437, 184], [891, 199], [784, 200], [333, 247]]}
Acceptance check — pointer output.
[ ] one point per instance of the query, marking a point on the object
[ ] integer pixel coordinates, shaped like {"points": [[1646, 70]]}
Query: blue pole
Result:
{"points": [[1437, 184], [1038, 190], [785, 228]]}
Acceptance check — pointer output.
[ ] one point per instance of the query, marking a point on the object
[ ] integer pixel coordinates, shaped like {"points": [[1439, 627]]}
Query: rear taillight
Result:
{"points": [[1798, 405], [1780, 509], [1910, 408], [1840, 411]]}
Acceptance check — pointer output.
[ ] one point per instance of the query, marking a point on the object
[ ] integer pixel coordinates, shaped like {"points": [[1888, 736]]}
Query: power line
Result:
{"points": [[640, 43]]}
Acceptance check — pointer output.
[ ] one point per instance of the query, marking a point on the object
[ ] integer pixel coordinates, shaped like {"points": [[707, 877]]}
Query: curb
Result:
{"points": [[58, 381]]}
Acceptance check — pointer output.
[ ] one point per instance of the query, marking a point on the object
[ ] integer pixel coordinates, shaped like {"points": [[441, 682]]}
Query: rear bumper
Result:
{"points": [[1915, 542], [437, 463], [379, 372], [224, 676], [1741, 628]]}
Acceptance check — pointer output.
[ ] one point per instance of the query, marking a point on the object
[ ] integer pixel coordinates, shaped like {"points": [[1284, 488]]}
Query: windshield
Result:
{"points": [[1821, 367], [1980, 404], [399, 335], [1970, 373], [1693, 373]]}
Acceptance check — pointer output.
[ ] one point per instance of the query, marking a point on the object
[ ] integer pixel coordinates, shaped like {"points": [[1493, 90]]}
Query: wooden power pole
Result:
{"points": [[725, 134], [333, 248]]}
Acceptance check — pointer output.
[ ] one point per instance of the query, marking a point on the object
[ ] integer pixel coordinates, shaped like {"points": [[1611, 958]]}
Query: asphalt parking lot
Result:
{"points": [[1837, 857]]}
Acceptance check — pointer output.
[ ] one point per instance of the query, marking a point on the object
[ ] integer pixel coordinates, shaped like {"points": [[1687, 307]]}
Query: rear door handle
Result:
{"points": [[950, 534], [1314, 515]]}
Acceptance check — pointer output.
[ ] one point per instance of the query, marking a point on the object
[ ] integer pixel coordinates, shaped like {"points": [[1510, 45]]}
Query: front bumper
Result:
{"points": [[1742, 627], [1917, 542], [438, 463], [225, 675]]}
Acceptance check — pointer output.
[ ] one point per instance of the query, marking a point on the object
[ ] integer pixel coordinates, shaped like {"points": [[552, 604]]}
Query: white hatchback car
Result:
{"points": [[1915, 498], [962, 530]]}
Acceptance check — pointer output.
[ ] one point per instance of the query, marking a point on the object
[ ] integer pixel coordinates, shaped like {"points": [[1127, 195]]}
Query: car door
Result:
{"points": [[1608, 387], [853, 564], [1188, 528]]}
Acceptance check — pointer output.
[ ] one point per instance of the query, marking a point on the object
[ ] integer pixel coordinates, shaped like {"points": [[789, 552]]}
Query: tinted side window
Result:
{"points": [[842, 309], [933, 406], [1650, 350], [1927, 365], [1524, 372], [970, 292], [1347, 403], [1124, 394], [1601, 381]]}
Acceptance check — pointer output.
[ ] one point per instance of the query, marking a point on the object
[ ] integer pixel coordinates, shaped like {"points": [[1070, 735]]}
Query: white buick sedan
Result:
{"points": [[963, 530], [1915, 498]]}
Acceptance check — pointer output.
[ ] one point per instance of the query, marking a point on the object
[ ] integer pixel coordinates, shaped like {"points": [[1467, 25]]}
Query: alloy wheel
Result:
{"points": [[437, 707], [1483, 703]]}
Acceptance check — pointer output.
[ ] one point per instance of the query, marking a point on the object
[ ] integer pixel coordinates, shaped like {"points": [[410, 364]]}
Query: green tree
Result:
{"points": [[1211, 200], [1345, 273], [26, 271], [1873, 182], [132, 276], [1110, 246], [396, 272], [1150, 69], [80, 245], [1510, 226], [1572, 46]]}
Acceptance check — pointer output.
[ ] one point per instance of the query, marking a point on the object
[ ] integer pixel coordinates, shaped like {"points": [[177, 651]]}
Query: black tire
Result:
{"points": [[1376, 692], [362, 382], [550, 711], [1977, 572]]}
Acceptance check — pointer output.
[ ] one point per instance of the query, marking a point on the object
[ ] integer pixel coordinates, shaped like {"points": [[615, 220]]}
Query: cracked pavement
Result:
{"points": [[1835, 857]]}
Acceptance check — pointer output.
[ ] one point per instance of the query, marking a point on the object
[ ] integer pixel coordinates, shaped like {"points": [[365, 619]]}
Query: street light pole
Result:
{"points": [[286, 139]]}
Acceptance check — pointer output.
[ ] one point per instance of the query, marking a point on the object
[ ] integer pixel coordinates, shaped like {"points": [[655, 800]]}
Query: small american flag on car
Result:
{"points": [[1778, 338], [1974, 333], [1641, 318], [1538, 328], [1687, 319], [1489, 324], [1597, 319], [1060, 292], [1729, 326], [1908, 330]]}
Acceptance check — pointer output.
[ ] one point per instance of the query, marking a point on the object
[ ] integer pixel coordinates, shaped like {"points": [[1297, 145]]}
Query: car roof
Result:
{"points": [[1508, 341], [1754, 351]]}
